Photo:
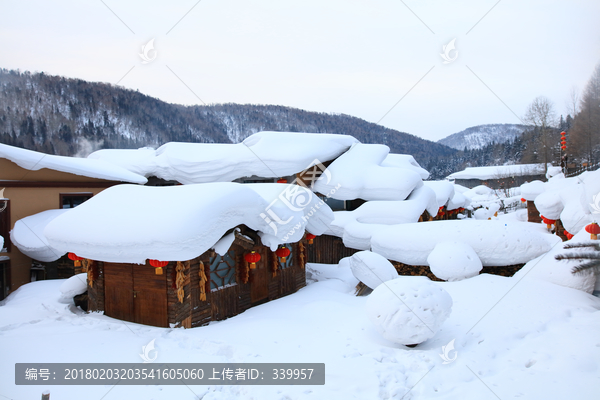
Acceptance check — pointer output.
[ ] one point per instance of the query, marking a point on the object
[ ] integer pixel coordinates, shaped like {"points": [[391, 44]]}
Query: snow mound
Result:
{"points": [[530, 190], [496, 243], [77, 284], [454, 261], [409, 309], [28, 236], [549, 269], [371, 268], [444, 191], [356, 227], [405, 161], [129, 223], [359, 174]]}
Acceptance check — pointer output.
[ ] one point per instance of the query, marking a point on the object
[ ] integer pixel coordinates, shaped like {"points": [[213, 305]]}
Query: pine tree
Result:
{"points": [[589, 260]]}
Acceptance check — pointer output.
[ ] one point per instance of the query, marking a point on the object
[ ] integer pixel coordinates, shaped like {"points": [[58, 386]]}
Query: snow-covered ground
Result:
{"points": [[513, 338]]}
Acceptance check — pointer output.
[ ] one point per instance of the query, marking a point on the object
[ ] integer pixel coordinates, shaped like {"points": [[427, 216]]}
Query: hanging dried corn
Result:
{"points": [[202, 282], [89, 267], [179, 280], [302, 255], [274, 265]]}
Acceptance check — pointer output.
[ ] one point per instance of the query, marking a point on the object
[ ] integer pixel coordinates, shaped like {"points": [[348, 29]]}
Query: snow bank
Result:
{"points": [[34, 161], [77, 284], [264, 154], [499, 171], [444, 191], [454, 261], [409, 309], [547, 268], [356, 227], [28, 236], [359, 174], [530, 190], [496, 243], [127, 223], [371, 268]]}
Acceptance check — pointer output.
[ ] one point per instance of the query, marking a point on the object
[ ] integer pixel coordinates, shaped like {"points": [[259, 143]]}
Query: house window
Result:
{"points": [[4, 277], [5, 224], [72, 200], [222, 270], [334, 204]]}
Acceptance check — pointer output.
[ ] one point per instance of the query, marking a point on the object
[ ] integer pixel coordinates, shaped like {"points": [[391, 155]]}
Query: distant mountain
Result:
{"points": [[478, 137], [58, 115]]}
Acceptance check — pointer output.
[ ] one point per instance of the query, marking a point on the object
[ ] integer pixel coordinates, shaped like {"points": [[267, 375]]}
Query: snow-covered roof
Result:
{"points": [[34, 161], [405, 161], [360, 174], [28, 236], [497, 243], [499, 171], [265, 154], [129, 223]]}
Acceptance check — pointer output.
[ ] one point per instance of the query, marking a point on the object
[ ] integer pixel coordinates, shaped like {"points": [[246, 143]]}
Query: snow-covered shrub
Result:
{"points": [[409, 309], [371, 268], [454, 261]]}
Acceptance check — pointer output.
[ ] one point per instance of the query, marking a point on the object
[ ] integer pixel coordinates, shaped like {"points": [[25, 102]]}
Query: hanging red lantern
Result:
{"points": [[548, 222], [563, 147], [158, 266], [593, 229], [282, 180], [252, 258], [282, 252], [563, 133], [74, 257], [568, 235], [310, 237], [523, 200]]}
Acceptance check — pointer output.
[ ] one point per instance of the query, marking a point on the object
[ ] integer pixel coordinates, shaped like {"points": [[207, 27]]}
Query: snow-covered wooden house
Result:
{"points": [[185, 255], [499, 176]]}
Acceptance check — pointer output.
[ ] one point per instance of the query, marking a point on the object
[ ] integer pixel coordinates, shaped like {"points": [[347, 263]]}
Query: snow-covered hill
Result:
{"points": [[480, 136]]}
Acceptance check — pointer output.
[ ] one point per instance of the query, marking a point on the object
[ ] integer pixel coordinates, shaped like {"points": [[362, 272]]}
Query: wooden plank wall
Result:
{"points": [[327, 249], [533, 215], [96, 292]]}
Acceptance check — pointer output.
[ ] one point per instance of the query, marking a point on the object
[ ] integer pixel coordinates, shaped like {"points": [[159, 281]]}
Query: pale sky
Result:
{"points": [[353, 57]]}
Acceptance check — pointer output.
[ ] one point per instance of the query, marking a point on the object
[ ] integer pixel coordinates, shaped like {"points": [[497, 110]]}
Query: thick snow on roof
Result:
{"points": [[359, 174], [499, 171], [128, 223], [28, 236], [575, 201], [356, 227], [405, 161], [264, 154], [496, 243], [34, 161]]}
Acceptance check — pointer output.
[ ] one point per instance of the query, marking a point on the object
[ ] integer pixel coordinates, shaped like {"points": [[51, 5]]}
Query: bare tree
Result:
{"points": [[542, 116], [572, 103], [586, 131]]}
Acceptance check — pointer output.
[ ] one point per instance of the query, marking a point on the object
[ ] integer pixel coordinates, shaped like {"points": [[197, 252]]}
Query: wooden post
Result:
{"points": [[46, 395]]}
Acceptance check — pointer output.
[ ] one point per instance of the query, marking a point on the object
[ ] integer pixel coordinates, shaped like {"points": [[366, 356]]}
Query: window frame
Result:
{"points": [[62, 196]]}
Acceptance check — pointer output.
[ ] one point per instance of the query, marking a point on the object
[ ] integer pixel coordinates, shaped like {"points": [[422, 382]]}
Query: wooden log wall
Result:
{"points": [[327, 249], [533, 215], [424, 270]]}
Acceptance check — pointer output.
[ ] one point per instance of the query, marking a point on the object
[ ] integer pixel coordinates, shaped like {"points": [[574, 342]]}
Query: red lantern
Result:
{"points": [[563, 147], [568, 235], [310, 237], [563, 133], [282, 180], [282, 253], [74, 257], [593, 229], [158, 265], [252, 258], [548, 222], [523, 200]]}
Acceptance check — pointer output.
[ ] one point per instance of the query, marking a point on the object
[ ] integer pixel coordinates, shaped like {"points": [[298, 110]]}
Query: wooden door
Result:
{"points": [[149, 296], [259, 286], [118, 291], [135, 293]]}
